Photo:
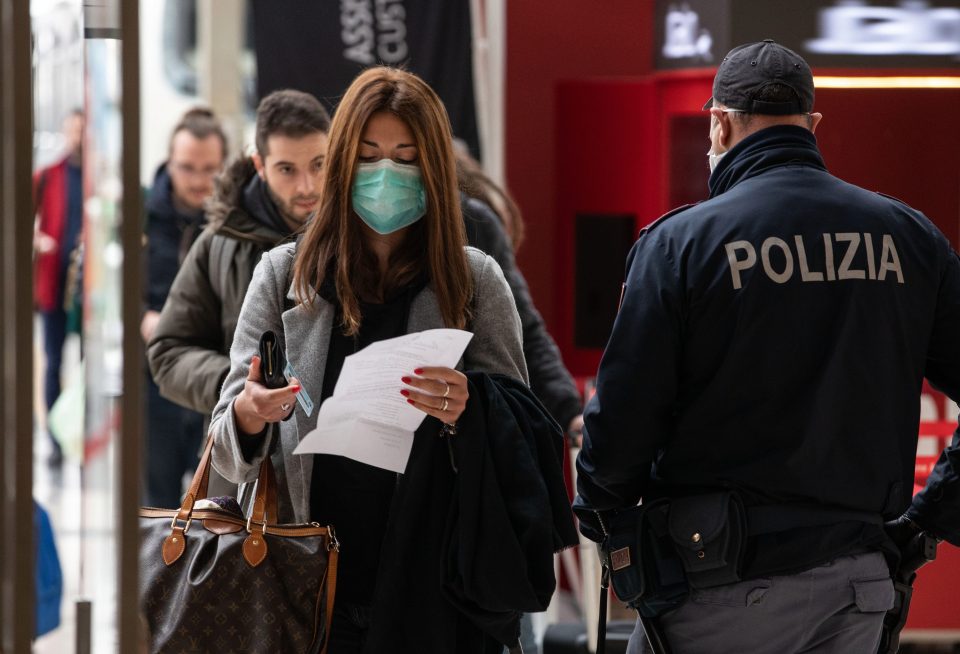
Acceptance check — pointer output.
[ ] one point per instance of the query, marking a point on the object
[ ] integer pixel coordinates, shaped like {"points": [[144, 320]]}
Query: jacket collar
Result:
{"points": [[780, 145]]}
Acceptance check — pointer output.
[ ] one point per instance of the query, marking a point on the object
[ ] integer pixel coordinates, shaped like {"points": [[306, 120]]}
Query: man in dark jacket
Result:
{"points": [[182, 184], [260, 201], [772, 342]]}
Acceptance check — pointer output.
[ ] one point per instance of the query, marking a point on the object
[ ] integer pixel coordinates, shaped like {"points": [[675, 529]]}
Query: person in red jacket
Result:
{"points": [[58, 199]]}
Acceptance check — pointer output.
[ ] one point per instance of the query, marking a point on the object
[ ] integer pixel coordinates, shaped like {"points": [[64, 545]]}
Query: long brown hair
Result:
{"points": [[333, 242]]}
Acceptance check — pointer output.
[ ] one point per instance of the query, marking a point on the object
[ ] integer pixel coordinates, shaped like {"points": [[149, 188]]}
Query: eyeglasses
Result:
{"points": [[189, 171]]}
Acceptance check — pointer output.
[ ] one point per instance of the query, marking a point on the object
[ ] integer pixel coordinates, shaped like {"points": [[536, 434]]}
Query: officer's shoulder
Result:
{"points": [[894, 199], [673, 213]]}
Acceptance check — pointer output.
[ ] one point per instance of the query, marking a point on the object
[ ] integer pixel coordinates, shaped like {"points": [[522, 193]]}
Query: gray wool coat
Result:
{"points": [[496, 347]]}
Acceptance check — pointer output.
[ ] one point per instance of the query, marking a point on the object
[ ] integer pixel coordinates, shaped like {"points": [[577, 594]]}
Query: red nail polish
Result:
{"points": [[410, 401], [405, 380], [418, 371], [404, 392], [294, 389]]}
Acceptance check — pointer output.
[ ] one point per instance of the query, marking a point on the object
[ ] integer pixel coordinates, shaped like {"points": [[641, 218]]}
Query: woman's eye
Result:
{"points": [[406, 162], [368, 159]]}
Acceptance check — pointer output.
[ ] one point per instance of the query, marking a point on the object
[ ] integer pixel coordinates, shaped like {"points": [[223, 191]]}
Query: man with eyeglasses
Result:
{"points": [[175, 217], [763, 378], [261, 200]]}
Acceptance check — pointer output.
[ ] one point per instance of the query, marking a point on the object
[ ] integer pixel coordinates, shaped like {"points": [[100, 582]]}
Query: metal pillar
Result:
{"points": [[131, 423], [16, 330]]}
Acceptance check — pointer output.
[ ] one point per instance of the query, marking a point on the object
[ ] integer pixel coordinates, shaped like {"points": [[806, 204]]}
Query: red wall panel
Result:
{"points": [[548, 41], [902, 142]]}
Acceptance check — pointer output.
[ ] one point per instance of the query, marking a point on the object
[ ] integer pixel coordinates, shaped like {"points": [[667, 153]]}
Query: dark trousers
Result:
{"points": [[54, 335], [835, 608], [174, 435]]}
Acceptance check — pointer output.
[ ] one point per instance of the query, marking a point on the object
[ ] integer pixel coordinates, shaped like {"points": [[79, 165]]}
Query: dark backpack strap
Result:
{"points": [[221, 249]]}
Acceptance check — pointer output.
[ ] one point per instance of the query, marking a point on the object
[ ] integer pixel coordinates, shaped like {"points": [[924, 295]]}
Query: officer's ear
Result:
{"points": [[815, 119], [724, 126]]}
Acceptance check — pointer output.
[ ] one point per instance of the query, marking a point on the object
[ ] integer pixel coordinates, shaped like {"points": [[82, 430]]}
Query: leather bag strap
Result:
{"points": [[333, 554]]}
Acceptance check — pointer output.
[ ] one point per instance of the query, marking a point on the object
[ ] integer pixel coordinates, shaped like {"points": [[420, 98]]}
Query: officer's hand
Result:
{"points": [[902, 531]]}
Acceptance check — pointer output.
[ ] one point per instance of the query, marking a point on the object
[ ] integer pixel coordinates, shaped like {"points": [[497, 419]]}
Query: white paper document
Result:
{"points": [[367, 419]]}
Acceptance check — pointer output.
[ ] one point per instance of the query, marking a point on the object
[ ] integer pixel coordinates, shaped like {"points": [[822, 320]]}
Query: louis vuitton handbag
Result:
{"points": [[214, 581]]}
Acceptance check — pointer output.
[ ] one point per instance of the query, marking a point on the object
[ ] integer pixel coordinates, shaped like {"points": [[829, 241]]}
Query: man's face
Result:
{"points": [[73, 133], [193, 164], [292, 168]]}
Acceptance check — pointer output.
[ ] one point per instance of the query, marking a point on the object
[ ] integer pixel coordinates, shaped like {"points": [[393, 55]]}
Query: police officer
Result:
{"points": [[772, 341]]}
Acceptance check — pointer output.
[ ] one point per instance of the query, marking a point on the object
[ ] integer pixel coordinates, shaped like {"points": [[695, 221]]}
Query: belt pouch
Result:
{"points": [[709, 532], [645, 571]]}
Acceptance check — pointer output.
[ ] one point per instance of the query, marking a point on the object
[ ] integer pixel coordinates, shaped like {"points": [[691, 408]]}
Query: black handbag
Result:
{"points": [[214, 581]]}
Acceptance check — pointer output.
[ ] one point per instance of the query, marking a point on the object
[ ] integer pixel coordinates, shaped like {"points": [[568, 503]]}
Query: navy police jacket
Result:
{"points": [[773, 339]]}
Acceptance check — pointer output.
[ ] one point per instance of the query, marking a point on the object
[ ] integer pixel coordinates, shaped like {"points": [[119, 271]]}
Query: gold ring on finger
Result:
{"points": [[446, 403], [446, 393]]}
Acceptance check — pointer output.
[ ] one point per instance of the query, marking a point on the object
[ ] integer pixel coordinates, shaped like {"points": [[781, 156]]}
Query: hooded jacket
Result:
{"points": [[773, 339], [169, 233], [189, 351]]}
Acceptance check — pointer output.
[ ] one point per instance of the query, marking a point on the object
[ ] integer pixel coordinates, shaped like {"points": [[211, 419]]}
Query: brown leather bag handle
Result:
{"points": [[264, 513]]}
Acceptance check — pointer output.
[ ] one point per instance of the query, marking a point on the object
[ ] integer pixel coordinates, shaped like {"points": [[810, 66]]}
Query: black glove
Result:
{"points": [[901, 531]]}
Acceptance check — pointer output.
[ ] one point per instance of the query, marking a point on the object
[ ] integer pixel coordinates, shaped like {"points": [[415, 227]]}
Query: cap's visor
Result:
{"points": [[709, 103]]}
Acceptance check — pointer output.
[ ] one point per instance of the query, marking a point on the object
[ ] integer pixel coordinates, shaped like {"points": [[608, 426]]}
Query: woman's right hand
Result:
{"points": [[256, 405]]}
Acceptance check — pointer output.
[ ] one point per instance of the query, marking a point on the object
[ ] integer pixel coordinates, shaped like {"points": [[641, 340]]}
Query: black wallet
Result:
{"points": [[272, 361]]}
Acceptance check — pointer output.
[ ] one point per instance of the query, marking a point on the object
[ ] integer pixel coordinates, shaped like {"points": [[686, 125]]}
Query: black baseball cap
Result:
{"points": [[748, 69]]}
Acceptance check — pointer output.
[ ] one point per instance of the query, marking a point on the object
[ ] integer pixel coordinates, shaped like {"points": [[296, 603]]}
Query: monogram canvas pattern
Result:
{"points": [[211, 600]]}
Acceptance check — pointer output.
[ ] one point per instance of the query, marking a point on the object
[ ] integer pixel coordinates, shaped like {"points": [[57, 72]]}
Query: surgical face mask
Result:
{"points": [[388, 196], [714, 159]]}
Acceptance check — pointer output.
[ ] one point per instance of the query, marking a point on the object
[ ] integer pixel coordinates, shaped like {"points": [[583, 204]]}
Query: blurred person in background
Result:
{"points": [[260, 201], [495, 225], [58, 227], [175, 216]]}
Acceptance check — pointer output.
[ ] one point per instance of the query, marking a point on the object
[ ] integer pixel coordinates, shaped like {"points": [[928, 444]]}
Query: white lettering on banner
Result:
{"points": [[356, 19], [912, 28], [391, 23], [742, 255], [373, 32]]}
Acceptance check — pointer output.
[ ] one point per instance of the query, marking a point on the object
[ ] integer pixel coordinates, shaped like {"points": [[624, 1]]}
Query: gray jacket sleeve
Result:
{"points": [[497, 344], [185, 353], [549, 379], [262, 310]]}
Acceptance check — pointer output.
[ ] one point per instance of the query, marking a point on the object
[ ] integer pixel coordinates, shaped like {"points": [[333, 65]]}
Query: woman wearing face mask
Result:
{"points": [[384, 256]]}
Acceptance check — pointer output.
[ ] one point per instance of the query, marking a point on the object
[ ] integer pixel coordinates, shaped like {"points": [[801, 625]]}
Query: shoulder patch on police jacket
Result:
{"points": [[669, 214]]}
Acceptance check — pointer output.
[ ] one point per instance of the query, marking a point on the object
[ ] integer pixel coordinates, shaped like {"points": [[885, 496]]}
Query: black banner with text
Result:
{"points": [[319, 46]]}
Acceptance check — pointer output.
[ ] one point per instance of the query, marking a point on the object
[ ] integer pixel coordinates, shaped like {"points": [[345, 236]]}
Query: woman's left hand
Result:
{"points": [[438, 392]]}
